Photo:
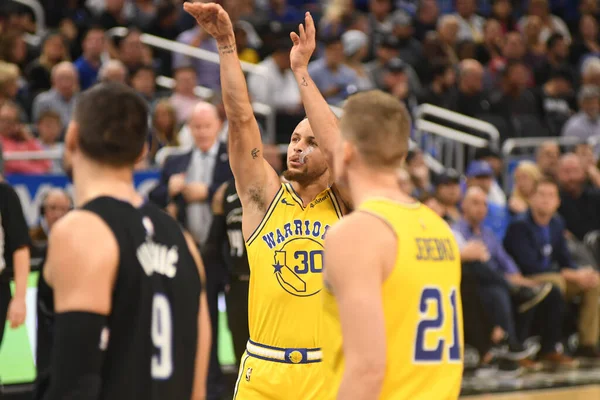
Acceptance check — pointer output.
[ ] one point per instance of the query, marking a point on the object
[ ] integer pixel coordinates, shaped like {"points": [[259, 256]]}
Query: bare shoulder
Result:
{"points": [[83, 257], [218, 198], [364, 228]]}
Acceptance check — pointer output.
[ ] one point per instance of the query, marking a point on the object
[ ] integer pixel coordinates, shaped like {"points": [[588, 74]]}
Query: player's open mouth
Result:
{"points": [[295, 162]]}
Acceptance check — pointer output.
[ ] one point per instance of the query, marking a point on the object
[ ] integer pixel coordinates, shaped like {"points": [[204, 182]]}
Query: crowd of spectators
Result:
{"points": [[531, 68]]}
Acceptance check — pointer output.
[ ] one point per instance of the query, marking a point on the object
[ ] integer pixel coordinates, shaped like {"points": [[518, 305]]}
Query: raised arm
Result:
{"points": [[256, 181], [323, 122]]}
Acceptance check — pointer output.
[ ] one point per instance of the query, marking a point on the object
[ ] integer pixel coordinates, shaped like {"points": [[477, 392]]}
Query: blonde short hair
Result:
{"points": [[8, 72], [379, 125]]}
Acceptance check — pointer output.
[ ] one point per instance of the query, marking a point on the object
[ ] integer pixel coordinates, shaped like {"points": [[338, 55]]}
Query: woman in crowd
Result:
{"points": [[526, 176]]}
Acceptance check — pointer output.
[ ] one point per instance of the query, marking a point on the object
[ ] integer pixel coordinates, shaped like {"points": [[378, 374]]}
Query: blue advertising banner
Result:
{"points": [[32, 188]]}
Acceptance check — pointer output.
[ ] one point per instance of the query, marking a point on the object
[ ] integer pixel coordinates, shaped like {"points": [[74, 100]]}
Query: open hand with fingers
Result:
{"points": [[212, 18], [304, 44]]}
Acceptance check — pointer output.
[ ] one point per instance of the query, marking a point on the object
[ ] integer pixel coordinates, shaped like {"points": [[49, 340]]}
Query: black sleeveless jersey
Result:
{"points": [[232, 210], [153, 325]]}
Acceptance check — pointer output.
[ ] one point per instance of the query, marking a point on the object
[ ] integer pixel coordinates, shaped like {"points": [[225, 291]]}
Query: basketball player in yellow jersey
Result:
{"points": [[284, 226], [393, 316]]}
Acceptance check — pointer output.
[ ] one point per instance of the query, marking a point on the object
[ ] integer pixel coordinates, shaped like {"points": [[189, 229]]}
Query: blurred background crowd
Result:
{"points": [[529, 240]]}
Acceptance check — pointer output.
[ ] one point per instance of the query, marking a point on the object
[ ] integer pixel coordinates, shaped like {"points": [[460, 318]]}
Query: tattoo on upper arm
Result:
{"points": [[304, 83], [227, 49], [254, 153]]}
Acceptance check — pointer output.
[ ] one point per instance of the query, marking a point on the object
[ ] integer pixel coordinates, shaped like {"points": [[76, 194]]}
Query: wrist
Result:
{"points": [[225, 42], [300, 72]]}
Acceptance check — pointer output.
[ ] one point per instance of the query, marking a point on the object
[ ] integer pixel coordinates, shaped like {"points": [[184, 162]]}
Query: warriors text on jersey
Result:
{"points": [[152, 330], [285, 254], [422, 309]]}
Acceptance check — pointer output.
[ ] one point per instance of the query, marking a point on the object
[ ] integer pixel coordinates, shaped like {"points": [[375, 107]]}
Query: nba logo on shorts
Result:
{"points": [[248, 373]]}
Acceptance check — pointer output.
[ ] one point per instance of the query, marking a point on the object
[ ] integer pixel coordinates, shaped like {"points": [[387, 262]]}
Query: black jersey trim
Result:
{"points": [[268, 214], [290, 189], [336, 203]]}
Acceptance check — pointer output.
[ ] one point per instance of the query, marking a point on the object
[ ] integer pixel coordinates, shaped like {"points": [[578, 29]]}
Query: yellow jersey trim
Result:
{"points": [[336, 203], [292, 192], [268, 214], [414, 205]]}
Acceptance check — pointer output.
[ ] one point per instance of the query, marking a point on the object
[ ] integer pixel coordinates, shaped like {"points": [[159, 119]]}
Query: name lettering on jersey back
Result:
{"points": [[434, 249], [296, 228], [158, 258]]}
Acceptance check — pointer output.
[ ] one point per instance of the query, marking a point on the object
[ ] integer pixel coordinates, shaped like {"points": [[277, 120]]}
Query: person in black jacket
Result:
{"points": [[14, 258]]}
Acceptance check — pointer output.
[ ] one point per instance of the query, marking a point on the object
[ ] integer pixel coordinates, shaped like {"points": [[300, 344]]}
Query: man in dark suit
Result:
{"points": [[537, 244], [186, 188]]}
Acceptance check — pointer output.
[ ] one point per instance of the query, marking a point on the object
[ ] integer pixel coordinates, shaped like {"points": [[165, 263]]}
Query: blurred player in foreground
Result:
{"points": [[284, 226], [131, 318], [393, 315]]}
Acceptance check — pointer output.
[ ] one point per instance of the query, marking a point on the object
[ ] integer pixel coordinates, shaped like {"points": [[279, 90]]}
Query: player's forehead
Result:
{"points": [[303, 130]]}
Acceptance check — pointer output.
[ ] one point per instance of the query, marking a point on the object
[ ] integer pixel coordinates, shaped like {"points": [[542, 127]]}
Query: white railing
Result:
{"points": [[451, 145], [483, 127], [38, 12]]}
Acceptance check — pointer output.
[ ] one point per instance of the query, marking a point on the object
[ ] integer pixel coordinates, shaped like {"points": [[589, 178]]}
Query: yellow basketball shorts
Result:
{"points": [[267, 376]]}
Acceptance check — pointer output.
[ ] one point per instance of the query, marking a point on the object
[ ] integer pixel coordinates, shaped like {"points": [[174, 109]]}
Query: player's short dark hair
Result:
{"points": [[112, 121]]}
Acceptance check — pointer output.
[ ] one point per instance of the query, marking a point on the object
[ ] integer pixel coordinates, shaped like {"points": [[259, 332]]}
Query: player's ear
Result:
{"points": [[72, 136], [348, 151]]}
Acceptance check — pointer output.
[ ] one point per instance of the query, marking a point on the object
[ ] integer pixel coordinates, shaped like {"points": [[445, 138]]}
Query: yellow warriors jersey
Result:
{"points": [[422, 309], [285, 254]]}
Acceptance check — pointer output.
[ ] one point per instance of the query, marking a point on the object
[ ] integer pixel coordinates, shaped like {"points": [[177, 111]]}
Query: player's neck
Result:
{"points": [[366, 183], [308, 192], [92, 180]]}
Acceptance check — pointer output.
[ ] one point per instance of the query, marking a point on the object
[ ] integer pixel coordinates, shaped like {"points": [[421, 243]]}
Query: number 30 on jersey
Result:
{"points": [[432, 299]]}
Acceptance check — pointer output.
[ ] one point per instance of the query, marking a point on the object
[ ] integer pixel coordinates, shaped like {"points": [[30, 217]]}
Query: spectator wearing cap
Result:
{"points": [[448, 195], [469, 98], [480, 174], [471, 24], [355, 49], [207, 73], [335, 80], [525, 179], [411, 51], [546, 158], [395, 80], [585, 124], [493, 158], [537, 243], [88, 65], [439, 90], [387, 50], [442, 82], [556, 100], [61, 97], [278, 88]]}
